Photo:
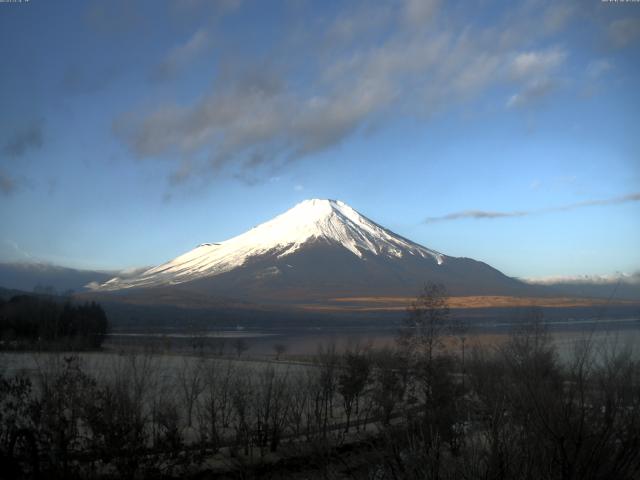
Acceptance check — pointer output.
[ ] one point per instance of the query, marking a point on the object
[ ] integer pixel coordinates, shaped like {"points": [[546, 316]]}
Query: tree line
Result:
{"points": [[30, 321]]}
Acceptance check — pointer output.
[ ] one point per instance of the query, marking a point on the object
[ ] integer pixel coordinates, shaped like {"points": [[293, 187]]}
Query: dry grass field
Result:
{"points": [[371, 304]]}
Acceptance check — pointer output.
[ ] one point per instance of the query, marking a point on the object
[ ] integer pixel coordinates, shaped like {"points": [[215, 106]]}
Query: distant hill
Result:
{"points": [[47, 278], [7, 293], [614, 287]]}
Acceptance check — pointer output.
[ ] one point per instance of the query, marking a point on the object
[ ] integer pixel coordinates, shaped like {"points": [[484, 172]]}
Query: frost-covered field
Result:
{"points": [[192, 390], [104, 365]]}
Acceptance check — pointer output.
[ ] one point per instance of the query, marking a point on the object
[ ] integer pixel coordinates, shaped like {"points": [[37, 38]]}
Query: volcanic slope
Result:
{"points": [[317, 250]]}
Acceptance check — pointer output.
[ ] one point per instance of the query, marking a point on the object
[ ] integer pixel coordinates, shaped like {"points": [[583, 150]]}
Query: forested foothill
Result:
{"points": [[48, 322]]}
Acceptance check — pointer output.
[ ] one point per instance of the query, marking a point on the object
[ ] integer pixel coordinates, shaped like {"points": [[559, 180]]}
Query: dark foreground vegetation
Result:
{"points": [[45, 322], [419, 411]]}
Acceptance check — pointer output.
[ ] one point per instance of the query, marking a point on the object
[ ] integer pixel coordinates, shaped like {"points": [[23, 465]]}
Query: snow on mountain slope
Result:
{"points": [[310, 221]]}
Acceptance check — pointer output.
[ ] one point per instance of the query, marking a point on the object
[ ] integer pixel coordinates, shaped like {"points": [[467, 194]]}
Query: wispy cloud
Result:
{"points": [[258, 117], [78, 79], [536, 71], [535, 64], [624, 31], [7, 184], [16, 248], [24, 139], [180, 56], [116, 17], [597, 68], [420, 12], [533, 91], [204, 7], [557, 16], [483, 214], [477, 214]]}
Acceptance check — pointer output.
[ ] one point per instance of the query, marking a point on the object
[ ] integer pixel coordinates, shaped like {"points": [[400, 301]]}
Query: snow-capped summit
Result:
{"points": [[317, 251], [334, 221], [311, 222]]}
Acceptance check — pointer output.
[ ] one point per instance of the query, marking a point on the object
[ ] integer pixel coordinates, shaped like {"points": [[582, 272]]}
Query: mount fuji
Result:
{"points": [[318, 250]]}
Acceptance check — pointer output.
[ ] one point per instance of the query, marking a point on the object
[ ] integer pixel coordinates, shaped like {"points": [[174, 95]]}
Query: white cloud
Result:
{"points": [[627, 278], [535, 64], [536, 71], [418, 13], [182, 55], [597, 68], [624, 31], [557, 16], [16, 249], [532, 92], [258, 117]]}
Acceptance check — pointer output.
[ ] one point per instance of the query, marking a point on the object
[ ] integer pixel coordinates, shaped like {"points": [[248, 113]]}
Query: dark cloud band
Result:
{"points": [[483, 214]]}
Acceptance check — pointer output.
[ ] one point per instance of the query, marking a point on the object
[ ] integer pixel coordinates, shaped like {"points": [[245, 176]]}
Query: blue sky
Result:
{"points": [[501, 131]]}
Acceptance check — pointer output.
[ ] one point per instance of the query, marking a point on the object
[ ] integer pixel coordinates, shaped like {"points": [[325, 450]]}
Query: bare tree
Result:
{"points": [[421, 340], [279, 349], [426, 323], [390, 382], [241, 390], [18, 447], [271, 405], [327, 359], [191, 384], [299, 401], [119, 421], [352, 380], [218, 345], [460, 329], [62, 384], [214, 408], [240, 346]]}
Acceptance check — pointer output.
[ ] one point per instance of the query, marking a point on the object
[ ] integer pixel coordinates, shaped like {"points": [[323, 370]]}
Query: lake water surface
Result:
{"points": [[306, 341]]}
